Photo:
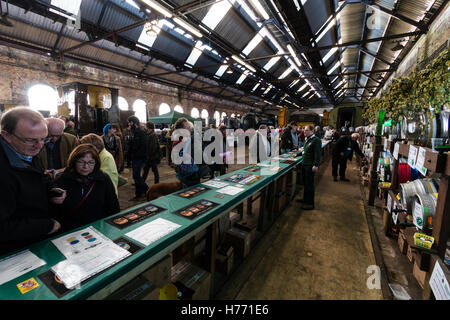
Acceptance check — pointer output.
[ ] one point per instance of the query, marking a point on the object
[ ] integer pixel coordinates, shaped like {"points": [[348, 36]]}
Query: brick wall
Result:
{"points": [[20, 70]]}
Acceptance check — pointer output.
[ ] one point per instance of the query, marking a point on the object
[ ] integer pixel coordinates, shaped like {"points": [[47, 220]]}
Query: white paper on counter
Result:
{"points": [[230, 190], [80, 267], [215, 183], [18, 264], [153, 231], [79, 241]]}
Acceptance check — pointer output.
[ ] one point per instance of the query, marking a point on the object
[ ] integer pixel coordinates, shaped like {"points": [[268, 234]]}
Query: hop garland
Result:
{"points": [[424, 90]]}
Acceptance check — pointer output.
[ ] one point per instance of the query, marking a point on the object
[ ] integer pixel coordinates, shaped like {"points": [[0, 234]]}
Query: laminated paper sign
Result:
{"points": [[412, 156], [396, 149], [439, 283], [421, 161]]}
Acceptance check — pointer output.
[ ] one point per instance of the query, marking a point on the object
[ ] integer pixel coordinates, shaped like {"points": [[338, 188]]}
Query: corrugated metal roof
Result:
{"points": [[232, 35], [235, 30]]}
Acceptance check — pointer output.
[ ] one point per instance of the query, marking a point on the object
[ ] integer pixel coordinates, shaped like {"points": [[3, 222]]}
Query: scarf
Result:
{"points": [[85, 181]]}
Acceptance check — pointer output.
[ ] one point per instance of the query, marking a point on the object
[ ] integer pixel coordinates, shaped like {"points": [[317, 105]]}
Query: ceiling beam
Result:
{"points": [[393, 13], [375, 56], [107, 35], [368, 40]]}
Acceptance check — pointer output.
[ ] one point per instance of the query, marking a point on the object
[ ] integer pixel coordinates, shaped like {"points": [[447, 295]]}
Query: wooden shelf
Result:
{"points": [[434, 162]]}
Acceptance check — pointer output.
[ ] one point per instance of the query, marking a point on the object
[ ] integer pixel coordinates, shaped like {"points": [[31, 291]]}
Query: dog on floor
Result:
{"points": [[162, 189]]}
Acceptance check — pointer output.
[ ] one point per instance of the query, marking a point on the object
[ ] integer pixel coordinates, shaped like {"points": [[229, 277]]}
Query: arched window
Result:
{"points": [[205, 115], [195, 113], [217, 117], [123, 104], [178, 109], [164, 108], [140, 110], [44, 98], [71, 102]]}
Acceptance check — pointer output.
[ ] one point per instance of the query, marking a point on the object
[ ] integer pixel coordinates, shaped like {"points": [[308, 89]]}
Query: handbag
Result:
{"points": [[82, 200]]}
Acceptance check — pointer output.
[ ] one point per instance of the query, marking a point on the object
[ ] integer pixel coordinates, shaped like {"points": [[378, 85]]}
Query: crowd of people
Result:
{"points": [[55, 181]]}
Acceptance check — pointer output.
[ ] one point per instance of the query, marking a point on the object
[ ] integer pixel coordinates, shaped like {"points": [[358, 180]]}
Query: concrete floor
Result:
{"points": [[319, 254]]}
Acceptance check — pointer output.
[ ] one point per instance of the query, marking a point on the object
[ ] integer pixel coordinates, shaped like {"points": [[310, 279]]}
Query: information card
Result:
{"points": [[412, 156], [421, 161]]}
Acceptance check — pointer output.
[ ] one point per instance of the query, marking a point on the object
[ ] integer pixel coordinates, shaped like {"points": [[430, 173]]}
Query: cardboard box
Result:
{"points": [[225, 259], [153, 295], [193, 282], [402, 244], [409, 234], [240, 240], [248, 226], [422, 259], [419, 275], [137, 289], [159, 273], [234, 217], [184, 252], [410, 253]]}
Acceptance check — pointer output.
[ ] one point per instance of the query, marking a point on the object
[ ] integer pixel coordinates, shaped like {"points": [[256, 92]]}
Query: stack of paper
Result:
{"points": [[88, 252], [18, 264], [230, 190], [153, 231]]}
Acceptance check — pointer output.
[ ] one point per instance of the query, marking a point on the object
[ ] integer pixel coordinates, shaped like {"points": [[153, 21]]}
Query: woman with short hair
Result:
{"points": [[90, 192], [107, 162]]}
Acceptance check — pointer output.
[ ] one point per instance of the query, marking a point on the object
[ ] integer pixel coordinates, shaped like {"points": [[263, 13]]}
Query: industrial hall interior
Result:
{"points": [[224, 150]]}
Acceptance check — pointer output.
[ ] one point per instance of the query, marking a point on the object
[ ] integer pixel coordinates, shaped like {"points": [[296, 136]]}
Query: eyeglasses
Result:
{"points": [[86, 163], [29, 141]]}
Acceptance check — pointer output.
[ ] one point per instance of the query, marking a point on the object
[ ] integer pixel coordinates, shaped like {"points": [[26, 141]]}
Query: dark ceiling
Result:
{"points": [[342, 51]]}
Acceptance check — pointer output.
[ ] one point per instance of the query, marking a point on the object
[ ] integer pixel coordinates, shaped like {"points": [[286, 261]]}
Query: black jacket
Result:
{"points": [[138, 144], [153, 148], [286, 139], [101, 202], [24, 201], [343, 144]]}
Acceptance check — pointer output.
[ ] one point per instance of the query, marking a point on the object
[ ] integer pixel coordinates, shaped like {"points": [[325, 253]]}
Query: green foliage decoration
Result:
{"points": [[421, 91]]}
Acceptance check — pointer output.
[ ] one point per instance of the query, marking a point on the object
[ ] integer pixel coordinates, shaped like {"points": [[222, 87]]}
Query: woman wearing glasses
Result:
{"points": [[90, 193]]}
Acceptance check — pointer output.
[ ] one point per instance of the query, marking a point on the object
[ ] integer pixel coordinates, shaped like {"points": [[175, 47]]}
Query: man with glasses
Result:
{"points": [[58, 146], [25, 191]]}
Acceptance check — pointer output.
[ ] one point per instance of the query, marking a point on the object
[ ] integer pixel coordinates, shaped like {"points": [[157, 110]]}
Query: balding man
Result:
{"points": [[58, 146], [343, 151], [24, 189]]}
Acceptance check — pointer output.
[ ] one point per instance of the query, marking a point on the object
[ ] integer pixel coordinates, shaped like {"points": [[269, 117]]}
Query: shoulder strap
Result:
{"points": [[82, 200]]}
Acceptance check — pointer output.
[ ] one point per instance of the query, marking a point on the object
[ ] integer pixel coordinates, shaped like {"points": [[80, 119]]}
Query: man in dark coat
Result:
{"points": [[25, 191], [58, 146], [153, 153], [138, 154], [312, 154], [343, 151], [289, 138]]}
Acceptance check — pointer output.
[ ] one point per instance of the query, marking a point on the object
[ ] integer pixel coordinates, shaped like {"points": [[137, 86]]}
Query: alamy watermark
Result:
{"points": [[214, 147], [374, 280]]}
